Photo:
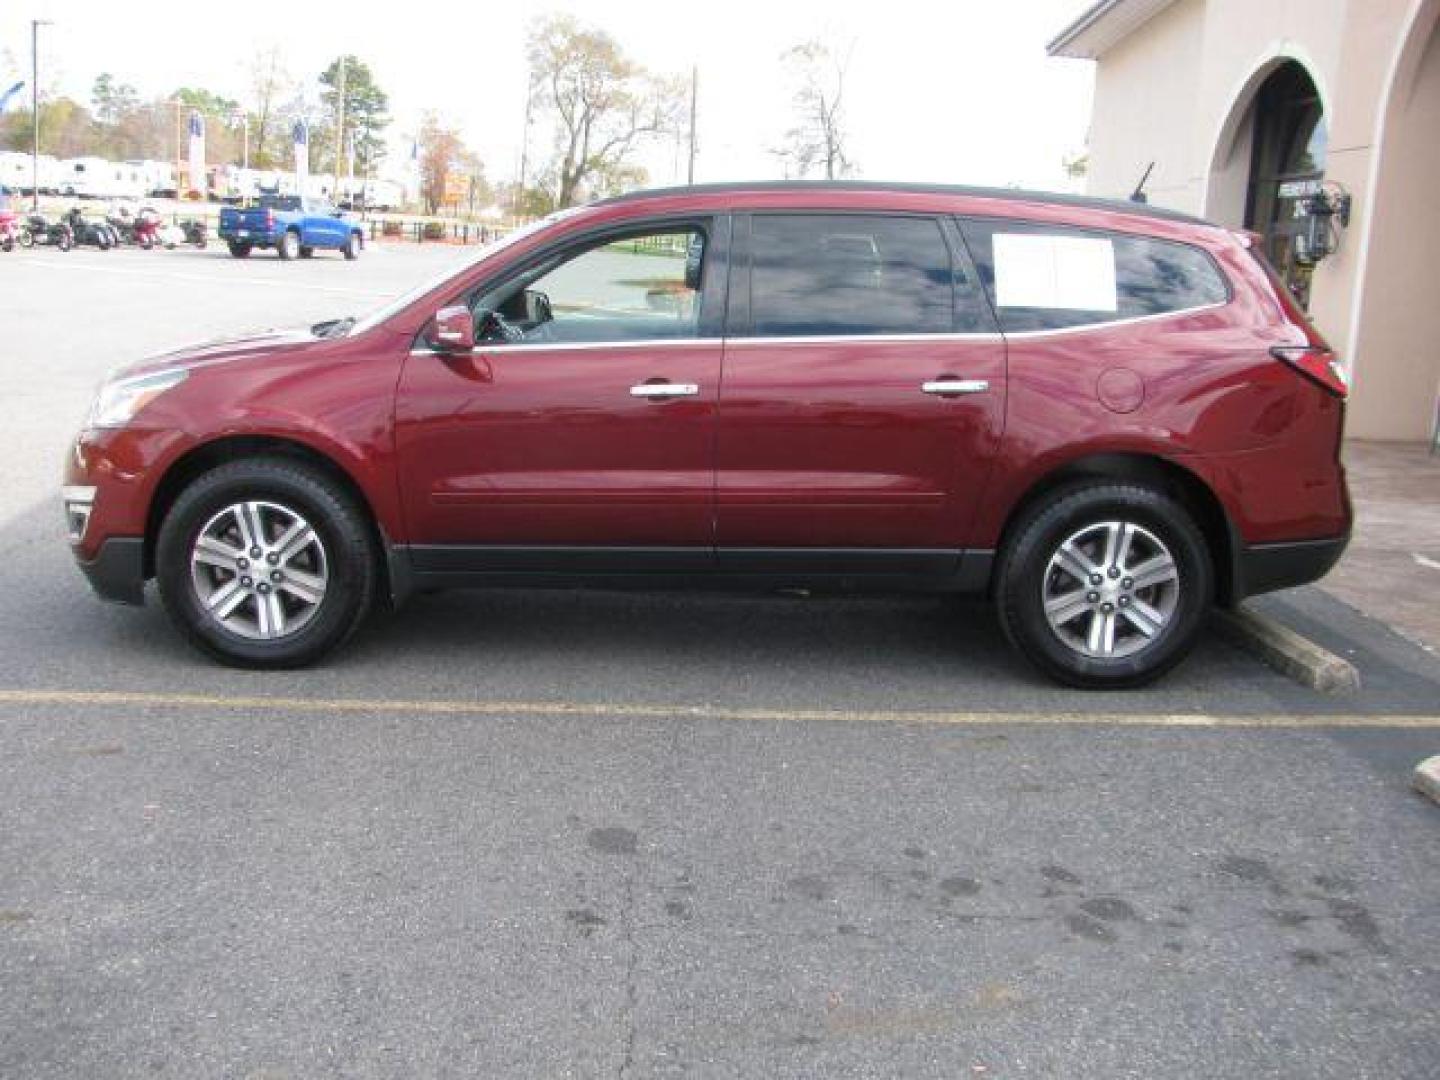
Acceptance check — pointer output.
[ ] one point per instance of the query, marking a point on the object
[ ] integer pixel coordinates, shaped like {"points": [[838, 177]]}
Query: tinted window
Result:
{"points": [[849, 274], [1042, 278]]}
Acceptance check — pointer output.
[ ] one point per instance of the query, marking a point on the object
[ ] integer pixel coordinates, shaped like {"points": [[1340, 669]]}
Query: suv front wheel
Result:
{"points": [[1105, 585], [266, 563]]}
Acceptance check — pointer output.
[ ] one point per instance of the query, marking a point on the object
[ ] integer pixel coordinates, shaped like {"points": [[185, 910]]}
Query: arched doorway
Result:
{"points": [[1395, 346], [1287, 165]]}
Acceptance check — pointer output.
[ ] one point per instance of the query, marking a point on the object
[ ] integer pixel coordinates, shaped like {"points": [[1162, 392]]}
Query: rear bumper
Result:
{"points": [[1263, 568], [117, 572]]}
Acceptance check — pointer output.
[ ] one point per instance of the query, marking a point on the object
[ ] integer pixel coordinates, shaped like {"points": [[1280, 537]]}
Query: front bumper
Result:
{"points": [[1263, 568], [117, 572]]}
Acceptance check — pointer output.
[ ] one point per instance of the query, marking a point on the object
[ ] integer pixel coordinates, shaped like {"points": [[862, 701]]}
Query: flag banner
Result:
{"points": [[5, 97], [197, 153], [301, 135]]}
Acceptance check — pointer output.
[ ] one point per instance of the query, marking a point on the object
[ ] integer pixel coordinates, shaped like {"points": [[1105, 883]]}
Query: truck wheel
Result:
{"points": [[307, 252], [239, 250], [1104, 585], [266, 563], [289, 246], [352, 246]]}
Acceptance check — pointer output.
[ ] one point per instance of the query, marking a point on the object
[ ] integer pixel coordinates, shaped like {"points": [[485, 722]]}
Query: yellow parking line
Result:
{"points": [[648, 711]]}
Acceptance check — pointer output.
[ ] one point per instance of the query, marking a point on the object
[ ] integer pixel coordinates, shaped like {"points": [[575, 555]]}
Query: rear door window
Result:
{"points": [[1043, 277], [850, 274]]}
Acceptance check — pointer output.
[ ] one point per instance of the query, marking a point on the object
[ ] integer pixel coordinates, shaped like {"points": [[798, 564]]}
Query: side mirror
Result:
{"points": [[453, 330]]}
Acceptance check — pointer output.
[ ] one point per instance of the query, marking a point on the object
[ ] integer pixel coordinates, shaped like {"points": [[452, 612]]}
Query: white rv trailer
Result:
{"points": [[96, 178], [16, 171]]}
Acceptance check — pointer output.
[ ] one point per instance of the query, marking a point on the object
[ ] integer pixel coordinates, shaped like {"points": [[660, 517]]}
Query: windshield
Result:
{"points": [[394, 307]]}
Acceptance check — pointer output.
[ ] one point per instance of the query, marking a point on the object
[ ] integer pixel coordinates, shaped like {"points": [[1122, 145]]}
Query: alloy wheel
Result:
{"points": [[1110, 589], [259, 569]]}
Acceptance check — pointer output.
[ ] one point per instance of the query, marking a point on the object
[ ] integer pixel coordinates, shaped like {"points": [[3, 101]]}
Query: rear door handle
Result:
{"points": [[665, 390], [946, 386]]}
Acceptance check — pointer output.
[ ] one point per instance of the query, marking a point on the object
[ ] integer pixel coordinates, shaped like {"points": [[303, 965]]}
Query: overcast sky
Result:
{"points": [[958, 92]]}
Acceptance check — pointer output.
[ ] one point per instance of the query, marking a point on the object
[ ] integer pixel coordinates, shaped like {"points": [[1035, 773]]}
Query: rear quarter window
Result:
{"points": [[1043, 277]]}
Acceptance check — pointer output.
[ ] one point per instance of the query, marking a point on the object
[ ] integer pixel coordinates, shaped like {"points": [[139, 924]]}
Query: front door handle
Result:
{"points": [[663, 390], [946, 386]]}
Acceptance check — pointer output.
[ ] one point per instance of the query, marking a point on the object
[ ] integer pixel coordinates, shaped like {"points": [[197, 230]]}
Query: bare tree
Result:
{"points": [[603, 104], [817, 141], [271, 85]]}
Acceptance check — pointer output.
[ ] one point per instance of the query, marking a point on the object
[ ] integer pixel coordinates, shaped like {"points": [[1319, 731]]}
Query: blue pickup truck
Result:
{"points": [[295, 226]]}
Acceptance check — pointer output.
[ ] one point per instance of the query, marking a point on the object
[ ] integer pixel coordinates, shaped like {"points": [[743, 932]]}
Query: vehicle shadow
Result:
{"points": [[745, 650]]}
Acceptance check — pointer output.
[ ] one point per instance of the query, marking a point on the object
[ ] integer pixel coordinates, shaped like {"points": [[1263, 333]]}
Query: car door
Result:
{"points": [[863, 396], [580, 433]]}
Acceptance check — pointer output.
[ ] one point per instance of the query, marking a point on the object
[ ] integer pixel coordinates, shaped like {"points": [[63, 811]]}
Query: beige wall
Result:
{"points": [[1145, 111], [1397, 338], [1179, 91]]}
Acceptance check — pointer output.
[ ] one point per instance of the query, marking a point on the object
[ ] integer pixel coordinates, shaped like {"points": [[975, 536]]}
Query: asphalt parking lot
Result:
{"points": [[552, 834]]}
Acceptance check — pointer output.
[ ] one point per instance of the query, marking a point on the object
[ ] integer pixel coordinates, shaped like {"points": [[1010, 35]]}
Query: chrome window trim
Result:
{"points": [[1104, 323], [825, 339]]}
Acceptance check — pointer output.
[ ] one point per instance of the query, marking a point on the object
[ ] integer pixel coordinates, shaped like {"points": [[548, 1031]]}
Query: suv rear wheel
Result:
{"points": [[1105, 585], [289, 246], [266, 563]]}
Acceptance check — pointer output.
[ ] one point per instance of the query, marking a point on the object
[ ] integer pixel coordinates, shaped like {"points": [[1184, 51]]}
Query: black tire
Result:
{"points": [[1024, 574], [289, 246], [27, 238], [239, 250], [307, 252], [65, 242], [343, 529], [146, 243], [353, 244]]}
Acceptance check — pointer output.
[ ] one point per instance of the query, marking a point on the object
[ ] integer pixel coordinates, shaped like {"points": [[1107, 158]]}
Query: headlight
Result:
{"points": [[117, 402]]}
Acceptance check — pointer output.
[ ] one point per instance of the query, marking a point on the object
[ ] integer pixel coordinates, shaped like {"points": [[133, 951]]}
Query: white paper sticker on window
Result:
{"points": [[1073, 273]]}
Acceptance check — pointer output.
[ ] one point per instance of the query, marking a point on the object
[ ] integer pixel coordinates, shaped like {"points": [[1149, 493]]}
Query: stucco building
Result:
{"points": [[1247, 109]]}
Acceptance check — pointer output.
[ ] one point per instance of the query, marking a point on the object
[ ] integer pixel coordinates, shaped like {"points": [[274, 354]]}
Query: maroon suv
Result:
{"points": [[1104, 416]]}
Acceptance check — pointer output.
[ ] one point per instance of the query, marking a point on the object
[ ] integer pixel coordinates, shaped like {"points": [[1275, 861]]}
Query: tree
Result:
{"points": [[440, 149], [364, 113], [601, 103], [66, 128], [270, 84], [817, 141], [112, 100]]}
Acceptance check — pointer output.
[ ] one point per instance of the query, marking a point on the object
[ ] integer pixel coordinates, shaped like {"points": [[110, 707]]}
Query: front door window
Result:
{"points": [[644, 287]]}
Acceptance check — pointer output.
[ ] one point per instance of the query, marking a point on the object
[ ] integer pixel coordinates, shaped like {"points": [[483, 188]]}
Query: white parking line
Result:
{"points": [[71, 263], [1426, 561]]}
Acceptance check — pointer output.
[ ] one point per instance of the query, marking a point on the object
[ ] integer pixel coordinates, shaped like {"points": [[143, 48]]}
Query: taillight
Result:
{"points": [[1316, 363], [269, 219]]}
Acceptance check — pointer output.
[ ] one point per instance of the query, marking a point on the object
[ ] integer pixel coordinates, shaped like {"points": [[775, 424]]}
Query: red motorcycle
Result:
{"points": [[9, 230], [146, 230]]}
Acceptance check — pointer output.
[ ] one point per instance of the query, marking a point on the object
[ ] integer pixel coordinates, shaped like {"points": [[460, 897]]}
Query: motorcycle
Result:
{"points": [[146, 230], [85, 231], [9, 230], [189, 231], [196, 232], [39, 229]]}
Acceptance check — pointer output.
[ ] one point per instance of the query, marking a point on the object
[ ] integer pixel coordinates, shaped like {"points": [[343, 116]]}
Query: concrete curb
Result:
{"points": [[1427, 777], [1288, 652]]}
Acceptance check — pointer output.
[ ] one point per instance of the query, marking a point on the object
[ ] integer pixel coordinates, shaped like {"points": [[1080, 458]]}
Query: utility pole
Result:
{"points": [[694, 100], [35, 25], [339, 129]]}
